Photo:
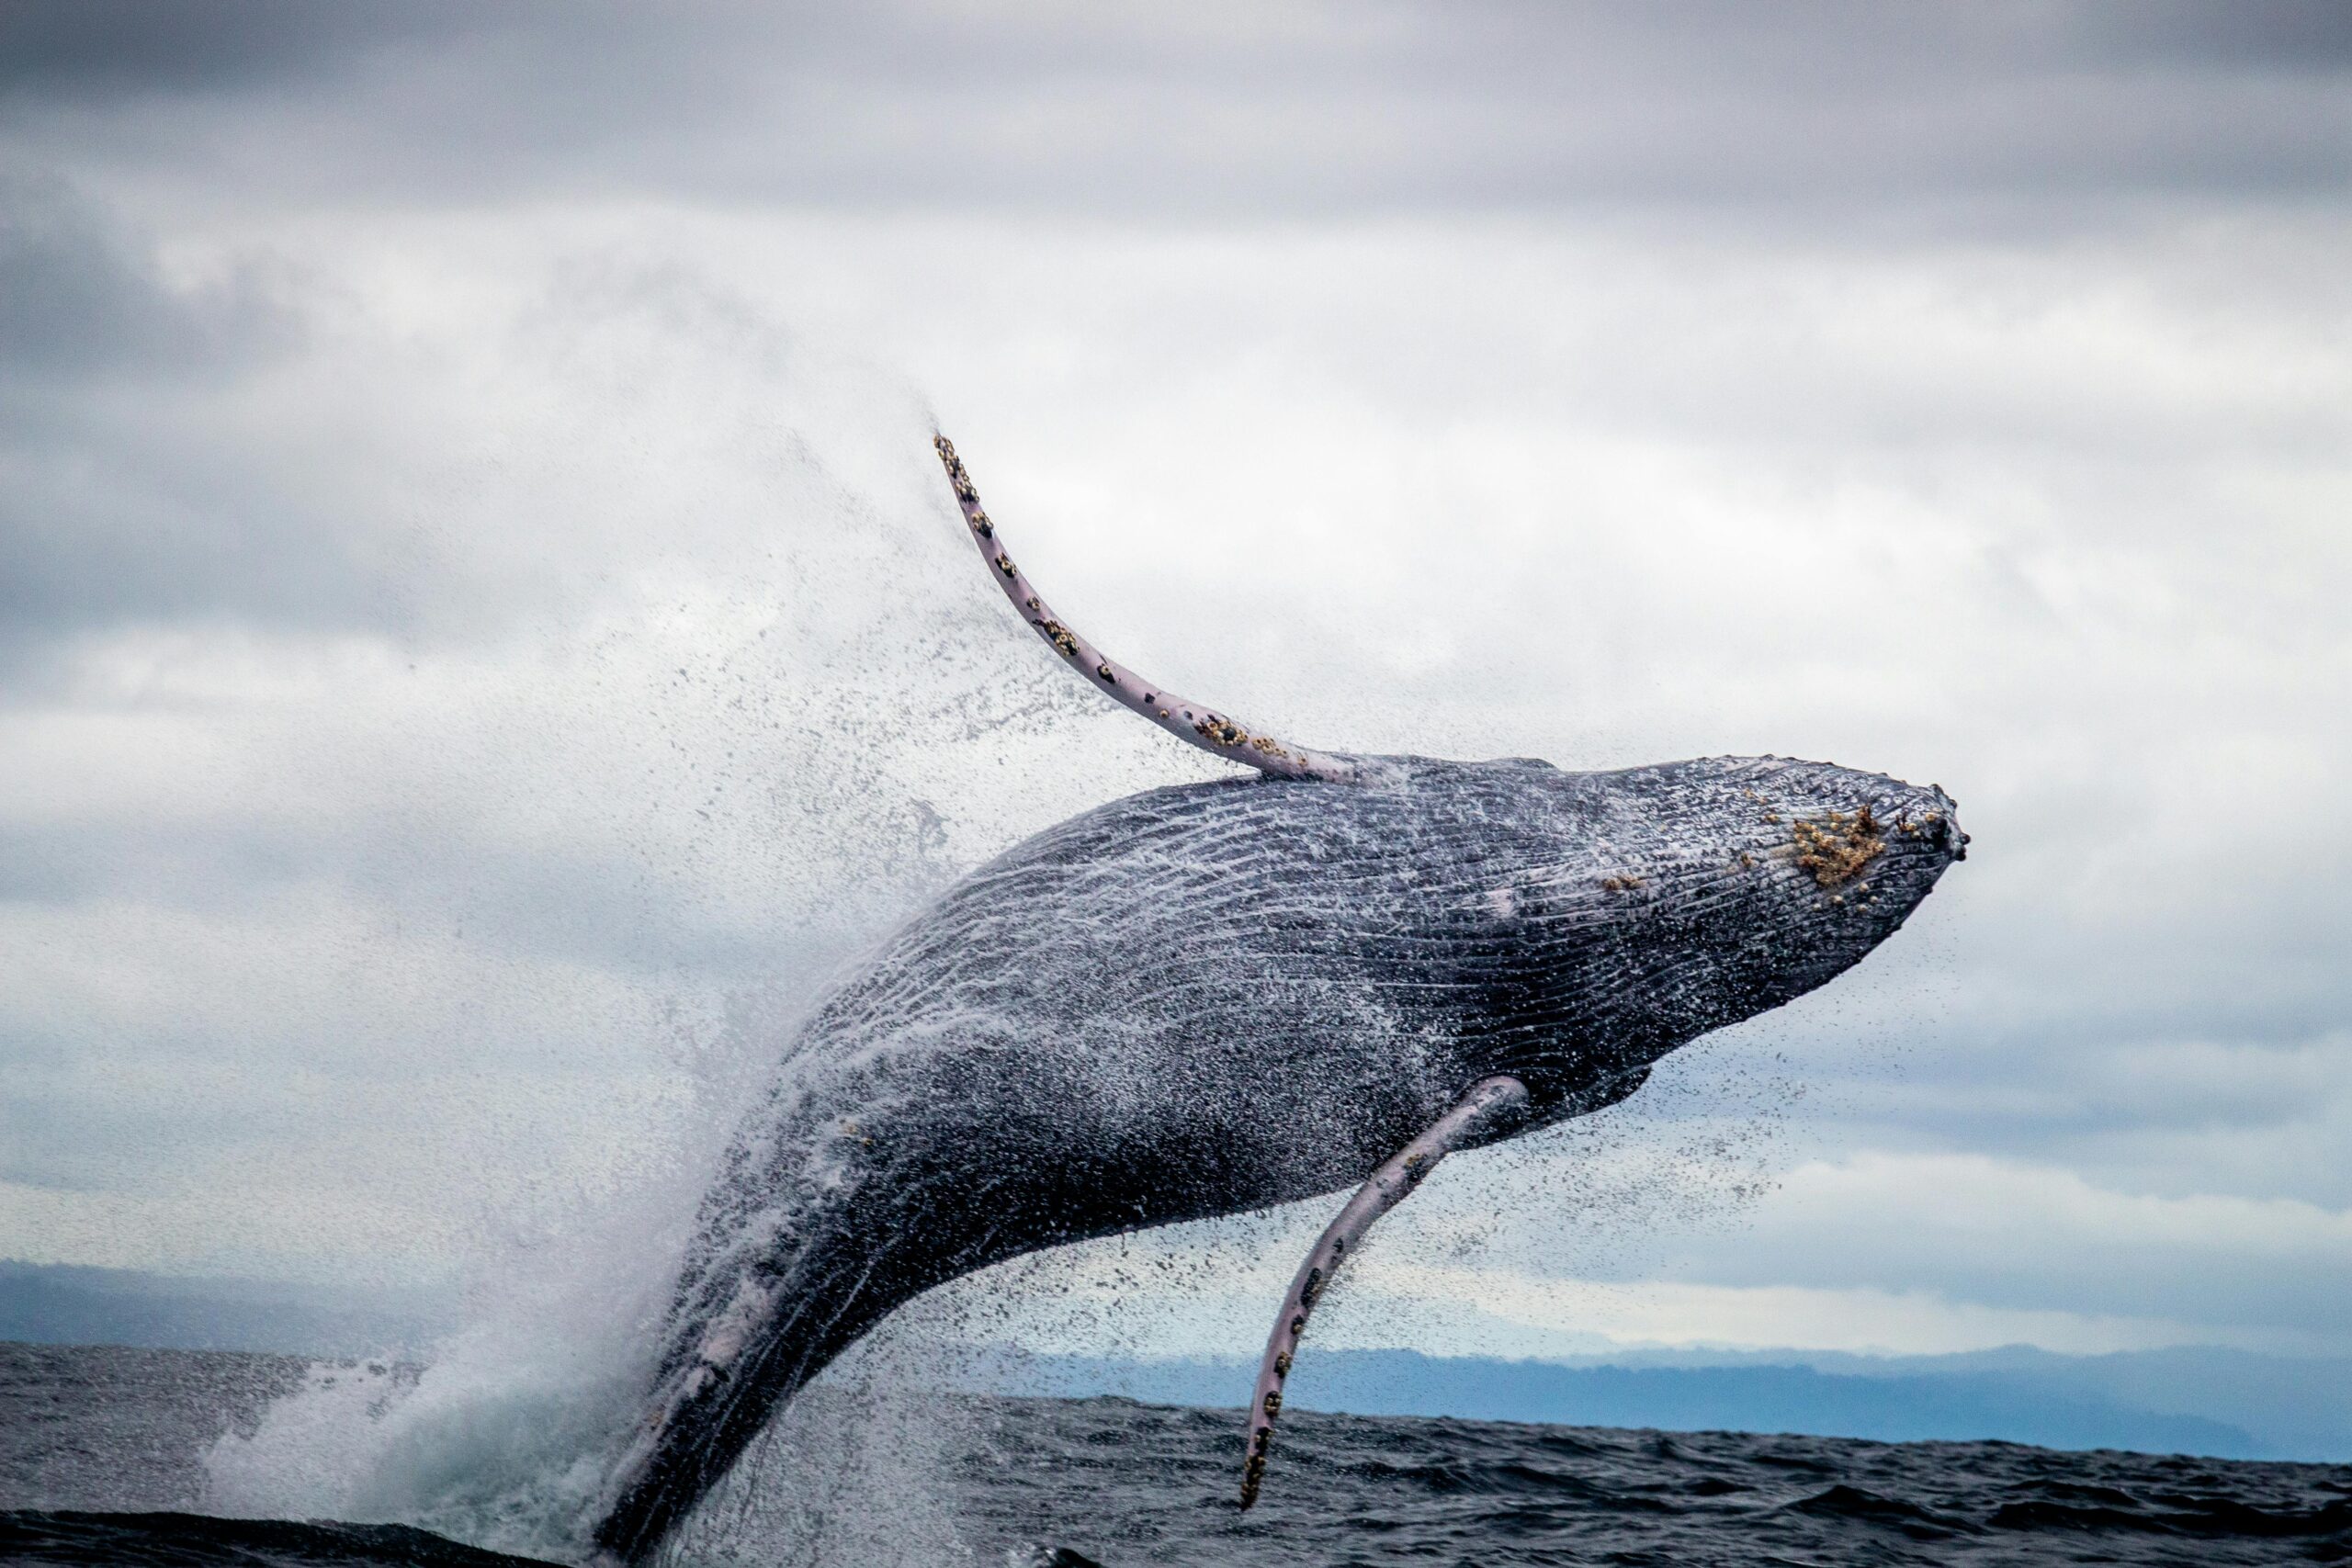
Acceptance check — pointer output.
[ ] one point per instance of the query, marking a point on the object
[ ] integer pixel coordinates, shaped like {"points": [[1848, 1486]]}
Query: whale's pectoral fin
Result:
{"points": [[1194, 723], [1489, 1101]]}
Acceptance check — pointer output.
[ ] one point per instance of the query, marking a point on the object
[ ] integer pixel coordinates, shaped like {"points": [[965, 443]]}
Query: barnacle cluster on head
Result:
{"points": [[1836, 845]]}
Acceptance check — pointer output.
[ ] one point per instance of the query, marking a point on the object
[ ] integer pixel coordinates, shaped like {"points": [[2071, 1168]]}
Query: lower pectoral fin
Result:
{"points": [[1474, 1112]]}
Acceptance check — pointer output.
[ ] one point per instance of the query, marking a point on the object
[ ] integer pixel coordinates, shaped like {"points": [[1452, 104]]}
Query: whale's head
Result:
{"points": [[1633, 911]]}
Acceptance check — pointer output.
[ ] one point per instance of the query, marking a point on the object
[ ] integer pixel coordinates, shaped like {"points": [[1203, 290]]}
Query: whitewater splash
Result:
{"points": [[502, 1440], [780, 827], [499, 1434]]}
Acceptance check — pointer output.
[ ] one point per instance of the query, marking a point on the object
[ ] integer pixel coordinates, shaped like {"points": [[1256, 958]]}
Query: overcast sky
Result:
{"points": [[481, 630]]}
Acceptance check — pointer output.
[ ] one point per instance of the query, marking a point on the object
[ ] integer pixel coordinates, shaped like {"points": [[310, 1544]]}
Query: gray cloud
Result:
{"points": [[117, 503], [60, 51], [1837, 113], [80, 295]]}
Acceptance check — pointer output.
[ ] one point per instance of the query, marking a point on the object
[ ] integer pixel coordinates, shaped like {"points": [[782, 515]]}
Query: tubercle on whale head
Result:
{"points": [[1686, 897], [1849, 854]]}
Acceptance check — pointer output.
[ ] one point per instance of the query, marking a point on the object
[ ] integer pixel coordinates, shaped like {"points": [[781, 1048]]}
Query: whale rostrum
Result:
{"points": [[1325, 974]]}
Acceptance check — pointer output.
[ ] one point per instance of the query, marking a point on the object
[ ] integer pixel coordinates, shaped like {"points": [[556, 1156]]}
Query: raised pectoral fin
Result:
{"points": [[1488, 1099], [1189, 721]]}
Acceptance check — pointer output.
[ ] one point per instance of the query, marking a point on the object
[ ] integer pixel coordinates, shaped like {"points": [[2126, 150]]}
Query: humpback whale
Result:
{"points": [[1327, 972]]}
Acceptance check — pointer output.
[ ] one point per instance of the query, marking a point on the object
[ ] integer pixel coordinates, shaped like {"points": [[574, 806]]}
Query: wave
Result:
{"points": [[861, 1480], [197, 1540]]}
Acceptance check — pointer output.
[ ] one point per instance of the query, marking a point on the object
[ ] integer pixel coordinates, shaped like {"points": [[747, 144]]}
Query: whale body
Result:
{"points": [[1211, 998]]}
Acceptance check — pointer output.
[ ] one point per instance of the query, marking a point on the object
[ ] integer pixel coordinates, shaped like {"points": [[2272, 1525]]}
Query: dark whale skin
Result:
{"points": [[1210, 998]]}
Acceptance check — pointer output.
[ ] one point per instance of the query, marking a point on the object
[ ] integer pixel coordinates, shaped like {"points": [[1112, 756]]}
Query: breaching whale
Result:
{"points": [[1215, 997]]}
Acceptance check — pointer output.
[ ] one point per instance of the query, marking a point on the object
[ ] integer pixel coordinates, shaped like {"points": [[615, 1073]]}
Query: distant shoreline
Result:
{"points": [[2216, 1402]]}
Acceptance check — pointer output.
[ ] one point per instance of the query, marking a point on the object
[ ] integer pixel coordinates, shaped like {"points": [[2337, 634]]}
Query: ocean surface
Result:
{"points": [[103, 1460]]}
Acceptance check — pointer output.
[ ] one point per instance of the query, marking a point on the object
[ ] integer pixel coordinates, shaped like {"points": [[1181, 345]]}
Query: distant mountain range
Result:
{"points": [[2221, 1404], [2193, 1400]]}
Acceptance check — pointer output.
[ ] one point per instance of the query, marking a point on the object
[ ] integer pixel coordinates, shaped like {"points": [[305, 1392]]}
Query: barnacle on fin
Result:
{"points": [[1224, 731]]}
